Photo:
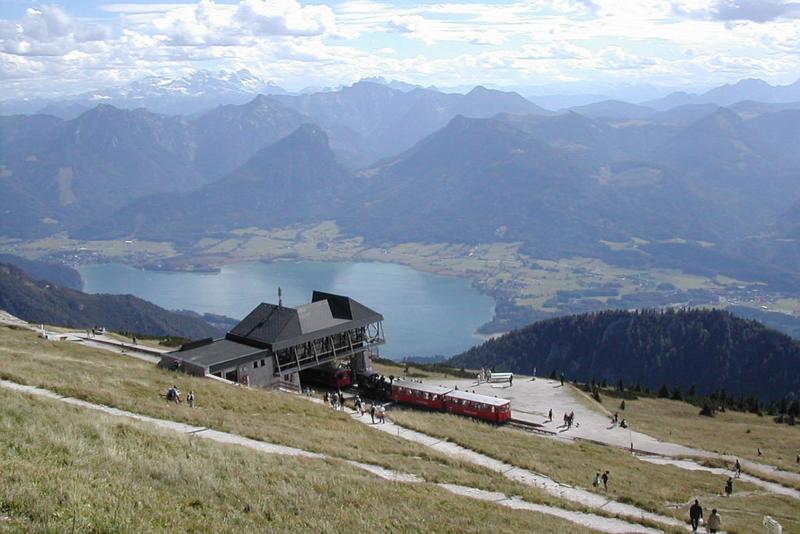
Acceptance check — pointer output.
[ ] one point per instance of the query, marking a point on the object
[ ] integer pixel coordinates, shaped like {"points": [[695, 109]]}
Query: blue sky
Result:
{"points": [[47, 49]]}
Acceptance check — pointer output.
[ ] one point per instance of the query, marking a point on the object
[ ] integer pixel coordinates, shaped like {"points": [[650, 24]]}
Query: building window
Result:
{"points": [[262, 363], [255, 364]]}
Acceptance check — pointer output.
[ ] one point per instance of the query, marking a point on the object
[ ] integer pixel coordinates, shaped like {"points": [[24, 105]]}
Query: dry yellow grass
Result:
{"points": [[735, 433], [131, 384], [66, 470], [662, 489]]}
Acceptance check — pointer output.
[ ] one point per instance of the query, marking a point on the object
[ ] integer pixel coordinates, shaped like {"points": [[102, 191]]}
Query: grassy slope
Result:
{"points": [[130, 384], [645, 485], [735, 433], [65, 470]]}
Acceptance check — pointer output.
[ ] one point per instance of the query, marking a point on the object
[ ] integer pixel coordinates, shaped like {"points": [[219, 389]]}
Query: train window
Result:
{"points": [[493, 410]]}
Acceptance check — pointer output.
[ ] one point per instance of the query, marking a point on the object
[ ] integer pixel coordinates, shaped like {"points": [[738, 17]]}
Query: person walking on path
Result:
{"points": [[738, 468], [596, 481], [695, 515], [606, 476], [372, 413], [729, 487], [562, 380], [550, 419], [714, 522], [511, 380], [382, 414], [190, 398]]}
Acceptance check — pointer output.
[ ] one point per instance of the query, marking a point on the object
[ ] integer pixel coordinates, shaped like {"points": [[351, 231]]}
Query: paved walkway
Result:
{"points": [[531, 399], [114, 345], [694, 466], [592, 521], [518, 474]]}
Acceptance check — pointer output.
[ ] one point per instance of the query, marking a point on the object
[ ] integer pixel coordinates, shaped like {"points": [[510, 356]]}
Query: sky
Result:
{"points": [[56, 49]]}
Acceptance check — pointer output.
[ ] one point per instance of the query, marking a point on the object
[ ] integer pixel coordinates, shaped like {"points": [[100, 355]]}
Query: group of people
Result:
{"points": [[174, 395], [601, 479], [616, 421], [569, 419], [336, 400], [713, 523], [376, 412]]}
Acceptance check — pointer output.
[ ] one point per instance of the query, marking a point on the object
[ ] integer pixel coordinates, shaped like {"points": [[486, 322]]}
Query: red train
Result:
{"points": [[450, 400]]}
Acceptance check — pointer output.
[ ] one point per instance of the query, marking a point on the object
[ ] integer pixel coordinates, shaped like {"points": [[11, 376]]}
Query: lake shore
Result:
{"points": [[524, 289]]}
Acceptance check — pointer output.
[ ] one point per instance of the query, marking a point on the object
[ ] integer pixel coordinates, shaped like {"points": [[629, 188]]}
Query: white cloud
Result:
{"points": [[444, 43], [48, 31]]}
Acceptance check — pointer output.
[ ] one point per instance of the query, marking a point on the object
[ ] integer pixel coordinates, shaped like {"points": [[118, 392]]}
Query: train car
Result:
{"points": [[418, 394], [332, 377], [478, 406]]}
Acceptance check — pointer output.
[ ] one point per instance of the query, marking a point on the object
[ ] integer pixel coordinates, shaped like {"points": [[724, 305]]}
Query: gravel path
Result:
{"points": [[592, 521], [694, 466], [531, 399], [518, 474]]}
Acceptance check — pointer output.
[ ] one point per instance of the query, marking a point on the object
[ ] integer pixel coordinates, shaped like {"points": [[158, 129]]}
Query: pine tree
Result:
{"points": [[663, 392]]}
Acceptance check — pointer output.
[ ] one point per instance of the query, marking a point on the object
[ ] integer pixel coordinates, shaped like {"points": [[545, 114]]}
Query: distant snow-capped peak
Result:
{"points": [[197, 84]]}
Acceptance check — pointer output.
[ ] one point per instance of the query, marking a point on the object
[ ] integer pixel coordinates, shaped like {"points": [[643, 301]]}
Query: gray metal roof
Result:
{"points": [[278, 327], [216, 352]]}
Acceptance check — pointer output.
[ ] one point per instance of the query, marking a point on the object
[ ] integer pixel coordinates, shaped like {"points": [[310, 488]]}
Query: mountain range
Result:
{"points": [[726, 95], [705, 188], [195, 92]]}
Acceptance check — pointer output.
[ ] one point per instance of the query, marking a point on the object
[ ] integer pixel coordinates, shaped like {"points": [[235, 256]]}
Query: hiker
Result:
{"points": [[326, 398], [729, 487], [562, 379], [134, 339], [341, 399], [372, 413], [358, 404], [550, 420], [695, 515], [190, 398], [623, 424], [605, 478], [714, 521], [596, 481], [616, 417], [758, 450], [171, 394], [738, 468], [382, 414], [511, 380]]}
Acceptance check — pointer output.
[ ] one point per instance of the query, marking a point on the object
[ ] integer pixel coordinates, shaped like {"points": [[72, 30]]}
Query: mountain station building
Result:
{"points": [[274, 343]]}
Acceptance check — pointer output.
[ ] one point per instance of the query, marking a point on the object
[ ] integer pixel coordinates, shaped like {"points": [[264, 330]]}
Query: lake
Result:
{"points": [[424, 314]]}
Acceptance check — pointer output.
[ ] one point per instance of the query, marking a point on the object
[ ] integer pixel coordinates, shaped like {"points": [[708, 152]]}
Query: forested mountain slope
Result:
{"points": [[708, 349], [45, 302]]}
